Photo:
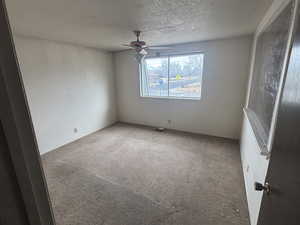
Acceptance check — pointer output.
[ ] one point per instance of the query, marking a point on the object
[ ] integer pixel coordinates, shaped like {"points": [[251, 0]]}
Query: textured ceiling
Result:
{"points": [[107, 24]]}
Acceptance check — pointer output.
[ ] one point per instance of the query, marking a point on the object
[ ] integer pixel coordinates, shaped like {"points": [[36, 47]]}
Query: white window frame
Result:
{"points": [[162, 55], [265, 149]]}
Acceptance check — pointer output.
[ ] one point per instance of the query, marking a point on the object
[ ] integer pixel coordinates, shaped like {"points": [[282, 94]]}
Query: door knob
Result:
{"points": [[260, 187]]}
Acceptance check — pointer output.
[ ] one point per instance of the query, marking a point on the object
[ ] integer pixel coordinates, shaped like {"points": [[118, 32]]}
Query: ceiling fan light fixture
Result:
{"points": [[142, 51]]}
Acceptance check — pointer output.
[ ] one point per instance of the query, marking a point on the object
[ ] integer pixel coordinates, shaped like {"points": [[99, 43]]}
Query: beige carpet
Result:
{"points": [[133, 175]]}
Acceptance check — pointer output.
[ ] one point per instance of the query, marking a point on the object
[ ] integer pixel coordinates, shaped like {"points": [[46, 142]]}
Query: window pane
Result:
{"points": [[185, 76], [270, 52], [172, 76], [155, 77]]}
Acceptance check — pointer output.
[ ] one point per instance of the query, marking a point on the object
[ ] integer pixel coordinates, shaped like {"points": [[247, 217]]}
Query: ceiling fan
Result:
{"points": [[141, 47]]}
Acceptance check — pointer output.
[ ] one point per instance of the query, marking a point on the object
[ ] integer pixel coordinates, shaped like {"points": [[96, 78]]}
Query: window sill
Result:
{"points": [[255, 129], [171, 98]]}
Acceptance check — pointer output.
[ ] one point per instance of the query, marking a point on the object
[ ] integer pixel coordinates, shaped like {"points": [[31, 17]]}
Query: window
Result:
{"points": [[178, 76], [268, 72]]}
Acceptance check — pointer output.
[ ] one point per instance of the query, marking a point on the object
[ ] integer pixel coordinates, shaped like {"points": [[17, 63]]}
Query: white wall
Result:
{"points": [[219, 112], [254, 164], [67, 87]]}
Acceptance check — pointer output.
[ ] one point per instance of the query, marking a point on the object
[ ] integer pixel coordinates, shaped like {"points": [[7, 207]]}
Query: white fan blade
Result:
{"points": [[158, 48], [128, 46]]}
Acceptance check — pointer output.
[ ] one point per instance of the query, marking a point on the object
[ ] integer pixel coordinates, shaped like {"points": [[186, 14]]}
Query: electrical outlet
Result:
{"points": [[75, 130]]}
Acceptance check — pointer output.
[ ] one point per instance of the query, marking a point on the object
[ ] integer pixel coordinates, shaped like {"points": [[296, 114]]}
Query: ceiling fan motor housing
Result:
{"points": [[138, 43]]}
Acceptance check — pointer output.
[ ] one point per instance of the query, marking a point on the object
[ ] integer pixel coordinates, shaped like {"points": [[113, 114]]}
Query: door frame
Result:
{"points": [[18, 128]]}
